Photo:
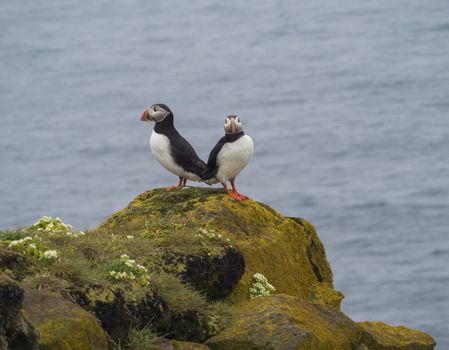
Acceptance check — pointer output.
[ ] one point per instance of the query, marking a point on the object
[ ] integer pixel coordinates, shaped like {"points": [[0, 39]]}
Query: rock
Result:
{"points": [[362, 347], [160, 343], [215, 275], [117, 316], [285, 250], [157, 344], [16, 263], [282, 322], [188, 346], [194, 258], [16, 332], [62, 324], [380, 336]]}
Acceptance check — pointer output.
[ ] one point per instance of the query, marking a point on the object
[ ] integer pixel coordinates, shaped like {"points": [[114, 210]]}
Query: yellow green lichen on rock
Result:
{"points": [[283, 322], [179, 345], [62, 325], [287, 251], [381, 336], [16, 332], [183, 265]]}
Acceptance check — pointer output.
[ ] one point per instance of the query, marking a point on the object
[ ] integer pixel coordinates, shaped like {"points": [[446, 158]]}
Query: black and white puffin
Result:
{"points": [[170, 148], [229, 156]]}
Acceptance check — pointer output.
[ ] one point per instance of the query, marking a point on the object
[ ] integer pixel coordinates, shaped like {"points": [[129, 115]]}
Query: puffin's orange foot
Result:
{"points": [[173, 187], [242, 196], [237, 196]]}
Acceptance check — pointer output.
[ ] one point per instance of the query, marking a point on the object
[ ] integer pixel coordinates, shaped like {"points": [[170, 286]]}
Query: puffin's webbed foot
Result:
{"points": [[237, 196], [181, 184], [234, 194]]}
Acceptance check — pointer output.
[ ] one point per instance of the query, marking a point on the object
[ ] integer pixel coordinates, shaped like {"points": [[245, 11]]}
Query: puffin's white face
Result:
{"points": [[155, 113], [232, 124]]}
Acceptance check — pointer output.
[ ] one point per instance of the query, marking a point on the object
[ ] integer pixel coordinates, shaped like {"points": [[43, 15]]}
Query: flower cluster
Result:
{"points": [[210, 234], [260, 286], [127, 269], [33, 246], [50, 254], [51, 226]]}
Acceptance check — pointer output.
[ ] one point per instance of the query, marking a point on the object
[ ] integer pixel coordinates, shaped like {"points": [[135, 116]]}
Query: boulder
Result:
{"points": [[283, 322], [381, 336], [62, 325], [14, 262], [285, 250], [16, 332], [160, 343], [179, 345], [194, 259]]}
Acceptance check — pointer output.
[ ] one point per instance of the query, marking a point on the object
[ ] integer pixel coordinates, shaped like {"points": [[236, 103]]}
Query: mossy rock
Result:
{"points": [[62, 325], [157, 343], [17, 265], [286, 250], [215, 275], [16, 332], [381, 336], [283, 322], [117, 316], [160, 343], [178, 345]]}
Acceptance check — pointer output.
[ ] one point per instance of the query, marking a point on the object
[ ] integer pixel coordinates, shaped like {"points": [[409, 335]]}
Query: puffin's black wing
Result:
{"points": [[186, 156], [212, 167]]}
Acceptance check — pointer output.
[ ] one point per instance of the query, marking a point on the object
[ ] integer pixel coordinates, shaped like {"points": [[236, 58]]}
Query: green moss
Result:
{"points": [[379, 336], [285, 322], [61, 324], [198, 246], [179, 297], [287, 251]]}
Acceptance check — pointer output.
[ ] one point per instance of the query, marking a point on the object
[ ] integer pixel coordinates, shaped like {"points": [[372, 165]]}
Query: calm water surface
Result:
{"points": [[347, 103]]}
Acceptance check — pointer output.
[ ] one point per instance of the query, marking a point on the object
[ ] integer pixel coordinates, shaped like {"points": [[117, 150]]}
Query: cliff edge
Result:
{"points": [[185, 269]]}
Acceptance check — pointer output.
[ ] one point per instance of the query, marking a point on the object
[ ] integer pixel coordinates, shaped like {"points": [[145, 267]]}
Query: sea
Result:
{"points": [[347, 103]]}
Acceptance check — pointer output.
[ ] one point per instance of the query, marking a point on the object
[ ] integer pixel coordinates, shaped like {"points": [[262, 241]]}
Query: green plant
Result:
{"points": [[179, 297], [51, 225], [12, 235], [260, 286], [126, 269], [138, 339], [33, 246]]}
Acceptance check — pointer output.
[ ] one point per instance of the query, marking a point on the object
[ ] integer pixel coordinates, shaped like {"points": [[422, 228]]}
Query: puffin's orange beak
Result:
{"points": [[144, 117], [233, 127]]}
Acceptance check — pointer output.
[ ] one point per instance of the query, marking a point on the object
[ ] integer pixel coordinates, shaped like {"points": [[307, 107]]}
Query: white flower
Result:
{"points": [[130, 237], [19, 241], [260, 286], [50, 254]]}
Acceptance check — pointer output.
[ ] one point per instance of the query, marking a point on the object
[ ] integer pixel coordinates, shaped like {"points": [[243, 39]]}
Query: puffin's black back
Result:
{"points": [[212, 167], [182, 151]]}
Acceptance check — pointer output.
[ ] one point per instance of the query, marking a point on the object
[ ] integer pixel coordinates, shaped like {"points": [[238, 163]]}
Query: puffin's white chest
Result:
{"points": [[233, 157], [160, 147]]}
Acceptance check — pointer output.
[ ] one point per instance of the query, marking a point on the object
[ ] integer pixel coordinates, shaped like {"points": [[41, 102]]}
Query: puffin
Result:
{"points": [[229, 156], [171, 149]]}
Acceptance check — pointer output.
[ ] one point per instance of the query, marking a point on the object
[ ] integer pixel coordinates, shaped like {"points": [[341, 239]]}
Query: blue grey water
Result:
{"points": [[347, 102]]}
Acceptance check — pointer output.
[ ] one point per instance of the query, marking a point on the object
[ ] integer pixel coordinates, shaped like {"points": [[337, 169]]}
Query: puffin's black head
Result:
{"points": [[232, 124], [156, 113]]}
